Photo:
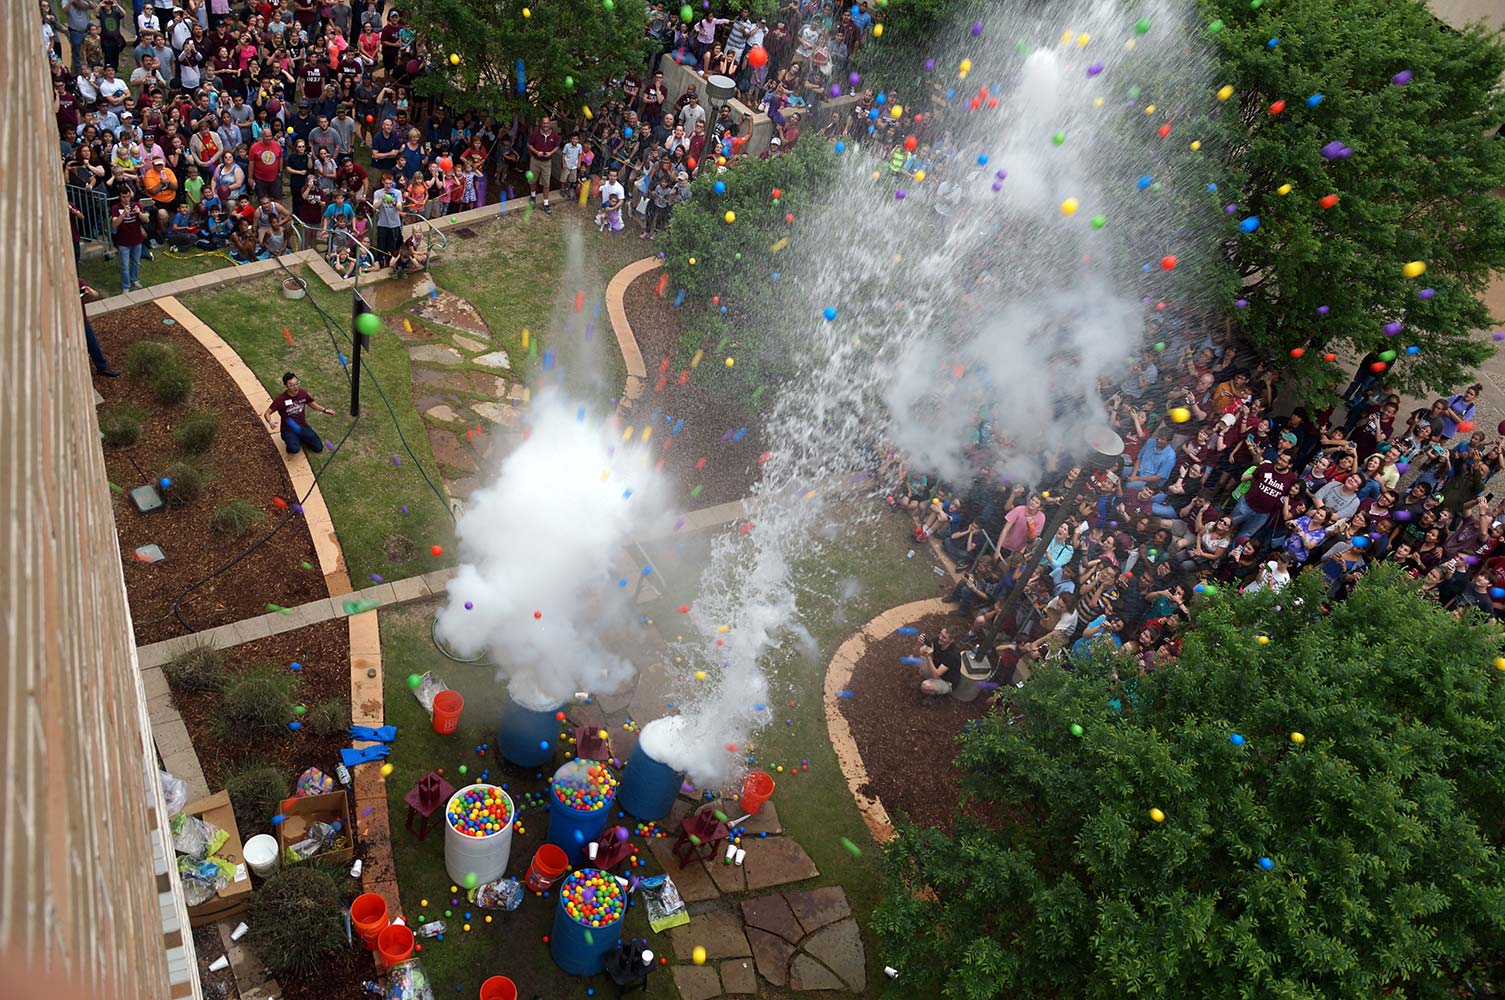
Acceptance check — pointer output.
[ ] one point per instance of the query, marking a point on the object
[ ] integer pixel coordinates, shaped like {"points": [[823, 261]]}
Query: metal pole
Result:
{"points": [[1106, 453], [361, 340]]}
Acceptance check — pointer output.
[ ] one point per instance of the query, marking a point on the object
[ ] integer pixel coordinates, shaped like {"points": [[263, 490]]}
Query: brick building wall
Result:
{"points": [[80, 893]]}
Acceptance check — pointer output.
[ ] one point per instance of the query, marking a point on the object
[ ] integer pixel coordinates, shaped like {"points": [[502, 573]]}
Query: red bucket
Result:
{"points": [[498, 988], [447, 706], [368, 915], [395, 944], [549, 863], [757, 788]]}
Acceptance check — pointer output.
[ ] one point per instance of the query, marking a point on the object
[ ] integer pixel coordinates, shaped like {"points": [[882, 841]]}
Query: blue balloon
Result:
{"points": [[1413, 350], [830, 313], [1144, 182], [882, 98], [1212, 187], [982, 159], [1249, 224]]}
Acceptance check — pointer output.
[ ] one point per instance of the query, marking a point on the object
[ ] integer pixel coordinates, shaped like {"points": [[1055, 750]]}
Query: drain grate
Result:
{"points": [[465, 233]]}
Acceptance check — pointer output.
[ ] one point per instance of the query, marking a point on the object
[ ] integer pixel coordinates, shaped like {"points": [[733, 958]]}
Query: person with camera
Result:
{"points": [[940, 663]]}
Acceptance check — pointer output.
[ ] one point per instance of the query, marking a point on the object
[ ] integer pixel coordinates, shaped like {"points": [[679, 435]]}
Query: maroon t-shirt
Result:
{"points": [[545, 144], [290, 405], [313, 81], [130, 232], [1267, 488]]}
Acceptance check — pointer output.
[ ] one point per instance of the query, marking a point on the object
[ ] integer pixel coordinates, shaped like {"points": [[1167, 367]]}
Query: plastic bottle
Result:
{"points": [[343, 773], [432, 929]]}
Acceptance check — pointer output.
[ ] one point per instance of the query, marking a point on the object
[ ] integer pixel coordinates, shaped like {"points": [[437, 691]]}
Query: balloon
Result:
{"points": [[454, 58], [1168, 262], [1225, 92], [1179, 414], [445, 163]]}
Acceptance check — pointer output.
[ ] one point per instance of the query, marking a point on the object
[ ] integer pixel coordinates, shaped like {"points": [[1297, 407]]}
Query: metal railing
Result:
{"points": [[94, 205]]}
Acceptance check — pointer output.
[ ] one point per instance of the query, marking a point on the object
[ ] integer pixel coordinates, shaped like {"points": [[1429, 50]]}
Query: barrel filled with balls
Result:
{"points": [[587, 921], [580, 797], [526, 736], [478, 823]]}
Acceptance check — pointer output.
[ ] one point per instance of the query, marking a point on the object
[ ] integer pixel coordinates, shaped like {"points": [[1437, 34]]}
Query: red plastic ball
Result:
{"points": [[437, 550]]}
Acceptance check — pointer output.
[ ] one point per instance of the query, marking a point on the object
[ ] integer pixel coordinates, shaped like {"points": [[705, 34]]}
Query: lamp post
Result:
{"points": [[1105, 451]]}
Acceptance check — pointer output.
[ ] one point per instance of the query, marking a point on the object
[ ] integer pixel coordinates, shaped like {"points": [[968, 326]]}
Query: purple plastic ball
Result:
{"points": [[930, 65], [1391, 329], [1323, 310], [998, 185], [1230, 209], [1426, 293], [1402, 78], [899, 194], [1094, 69], [469, 606], [835, 90], [855, 79], [1002, 175], [976, 28], [1240, 303]]}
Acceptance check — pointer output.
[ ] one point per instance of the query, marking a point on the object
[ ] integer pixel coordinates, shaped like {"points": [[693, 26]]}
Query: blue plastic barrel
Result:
{"points": [[526, 737], [570, 829], [568, 944], [649, 786]]}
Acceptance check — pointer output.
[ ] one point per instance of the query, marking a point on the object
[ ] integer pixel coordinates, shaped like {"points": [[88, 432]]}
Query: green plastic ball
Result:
{"points": [[569, 81], [1215, 27], [608, 4], [1142, 26], [529, 175], [687, 13], [299, 709], [1076, 729], [1099, 221], [368, 323], [472, 880], [1059, 138], [414, 680]]}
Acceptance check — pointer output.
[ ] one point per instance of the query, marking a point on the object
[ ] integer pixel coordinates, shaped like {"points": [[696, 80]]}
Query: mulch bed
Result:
{"points": [[730, 467], [908, 739], [324, 652], [208, 946], [243, 465]]}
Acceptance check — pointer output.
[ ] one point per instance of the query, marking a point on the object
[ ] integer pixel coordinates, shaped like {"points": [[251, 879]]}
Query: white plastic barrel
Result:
{"points": [[486, 856]]}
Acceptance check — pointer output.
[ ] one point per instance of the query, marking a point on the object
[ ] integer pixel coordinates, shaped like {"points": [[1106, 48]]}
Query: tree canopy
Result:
{"points": [[1417, 103], [558, 57], [1360, 856]]}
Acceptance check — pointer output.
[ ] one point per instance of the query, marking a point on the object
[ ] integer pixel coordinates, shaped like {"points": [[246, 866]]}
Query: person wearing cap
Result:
{"points": [[691, 114], [161, 184]]}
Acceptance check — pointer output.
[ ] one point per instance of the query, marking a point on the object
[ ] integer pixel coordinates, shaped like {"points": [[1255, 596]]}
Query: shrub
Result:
{"points": [[256, 793], [195, 433], [258, 703], [145, 358], [200, 667], [296, 920], [173, 384], [327, 718], [235, 518], [121, 425], [185, 483]]}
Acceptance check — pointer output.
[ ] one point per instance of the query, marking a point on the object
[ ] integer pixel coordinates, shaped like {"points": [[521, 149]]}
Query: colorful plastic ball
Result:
{"points": [[1168, 262], [841, 147], [1069, 206], [1272, 43], [1142, 26], [1314, 100], [1144, 182], [1157, 815], [1249, 224], [1500, 663], [1414, 269], [1266, 864], [1327, 201], [368, 323], [454, 58], [830, 313], [719, 187], [698, 955], [1059, 138], [1099, 221], [687, 13], [1076, 729], [165, 483], [1298, 738], [1225, 92], [1427, 293], [1236, 739], [1297, 352], [1277, 107], [730, 217], [899, 195], [1241, 303], [1402, 78], [414, 680], [469, 605], [1179, 414]]}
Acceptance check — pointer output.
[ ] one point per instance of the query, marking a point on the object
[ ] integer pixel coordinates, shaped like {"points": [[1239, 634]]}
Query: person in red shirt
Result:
{"points": [[129, 223], [266, 166], [292, 405], [543, 143]]}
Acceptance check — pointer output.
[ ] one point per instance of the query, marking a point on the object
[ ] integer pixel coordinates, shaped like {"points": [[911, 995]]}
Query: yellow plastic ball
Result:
{"points": [[1225, 92], [1130, 45], [966, 66], [1157, 815], [1415, 269], [877, 31], [698, 955], [1067, 37], [919, 175], [386, 769], [897, 111], [730, 362], [488, 918], [1083, 39], [692, 261], [1179, 414], [467, 927], [1283, 190], [454, 58], [1069, 206], [1196, 145], [527, 12], [1500, 663], [1263, 640], [1298, 738], [700, 675], [730, 216], [423, 902], [1149, 109]]}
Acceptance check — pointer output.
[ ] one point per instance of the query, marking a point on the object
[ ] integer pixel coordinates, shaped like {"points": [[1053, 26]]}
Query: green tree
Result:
{"points": [[1381, 824], [565, 51], [1417, 186]]}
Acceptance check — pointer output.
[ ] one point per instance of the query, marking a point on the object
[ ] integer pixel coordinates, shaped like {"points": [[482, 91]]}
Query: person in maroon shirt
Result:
{"points": [[353, 178], [1268, 486], [129, 223], [543, 143], [291, 404]]}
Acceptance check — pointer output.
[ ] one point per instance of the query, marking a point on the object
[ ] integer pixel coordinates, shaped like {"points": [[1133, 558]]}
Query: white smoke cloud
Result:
{"points": [[543, 537]]}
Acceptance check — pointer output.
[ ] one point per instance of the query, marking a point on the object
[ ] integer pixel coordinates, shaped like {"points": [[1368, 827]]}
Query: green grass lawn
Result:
{"points": [[104, 275], [525, 273], [373, 500], [816, 808]]}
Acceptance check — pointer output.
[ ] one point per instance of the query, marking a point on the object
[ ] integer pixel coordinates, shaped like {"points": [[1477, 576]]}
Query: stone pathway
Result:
{"points": [[806, 940], [463, 386]]}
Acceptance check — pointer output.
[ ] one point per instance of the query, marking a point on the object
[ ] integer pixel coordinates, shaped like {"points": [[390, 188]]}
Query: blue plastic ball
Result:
{"points": [[841, 147], [982, 159], [1266, 864], [719, 187], [1236, 739], [830, 313], [1249, 225], [543, 744], [1144, 182], [164, 482]]}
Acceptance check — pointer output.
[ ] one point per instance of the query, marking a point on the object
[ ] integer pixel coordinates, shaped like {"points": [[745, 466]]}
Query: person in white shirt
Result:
{"points": [[182, 30], [147, 21], [611, 186], [691, 113], [571, 151], [87, 89], [112, 88]]}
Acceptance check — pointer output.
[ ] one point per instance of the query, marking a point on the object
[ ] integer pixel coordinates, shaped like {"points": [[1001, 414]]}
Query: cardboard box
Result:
{"points": [[298, 814], [232, 899]]}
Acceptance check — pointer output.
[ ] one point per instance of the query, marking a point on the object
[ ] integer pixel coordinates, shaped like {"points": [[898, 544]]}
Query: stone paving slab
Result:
{"points": [[838, 948], [719, 932], [773, 915], [738, 977], [728, 878], [818, 908], [776, 861], [772, 955], [693, 883], [696, 982]]}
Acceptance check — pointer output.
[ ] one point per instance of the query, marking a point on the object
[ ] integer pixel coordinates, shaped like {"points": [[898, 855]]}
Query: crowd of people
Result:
{"points": [[255, 127], [1220, 485]]}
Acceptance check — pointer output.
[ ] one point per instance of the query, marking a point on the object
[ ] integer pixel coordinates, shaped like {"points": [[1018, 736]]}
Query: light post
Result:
{"points": [[1105, 451]]}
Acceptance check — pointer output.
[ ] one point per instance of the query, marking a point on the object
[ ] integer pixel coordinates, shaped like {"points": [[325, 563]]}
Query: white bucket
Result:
{"points": [[260, 853], [485, 857]]}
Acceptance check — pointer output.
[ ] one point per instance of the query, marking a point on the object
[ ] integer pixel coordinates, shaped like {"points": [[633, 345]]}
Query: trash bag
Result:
{"points": [[313, 782], [174, 791], [665, 907], [428, 688], [503, 894], [408, 981], [196, 838], [203, 879]]}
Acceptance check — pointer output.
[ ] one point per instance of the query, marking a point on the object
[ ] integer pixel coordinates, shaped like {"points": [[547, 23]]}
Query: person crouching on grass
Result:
{"points": [[940, 664], [292, 404]]}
